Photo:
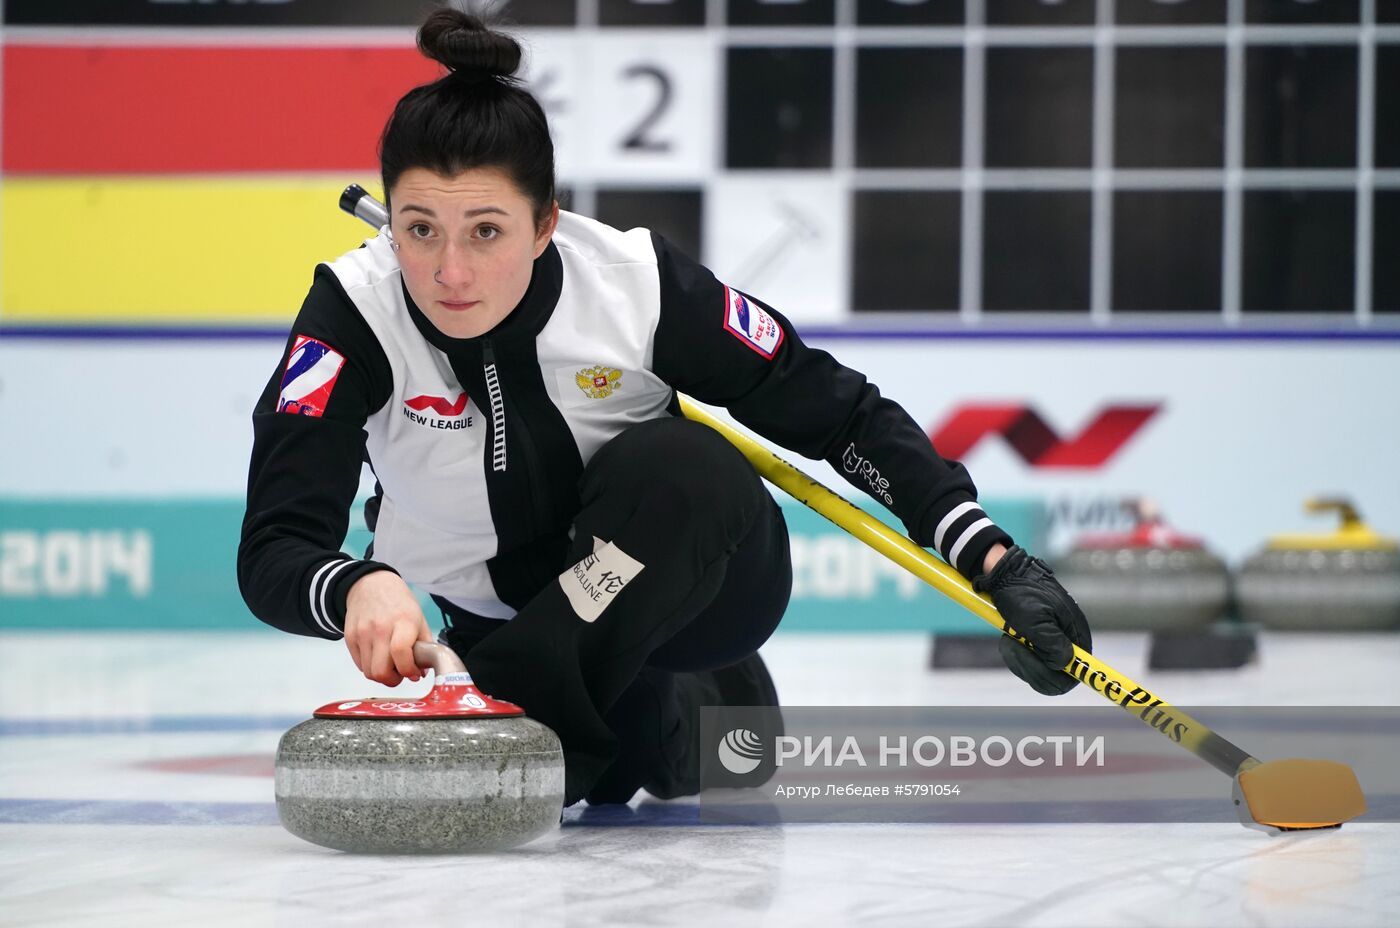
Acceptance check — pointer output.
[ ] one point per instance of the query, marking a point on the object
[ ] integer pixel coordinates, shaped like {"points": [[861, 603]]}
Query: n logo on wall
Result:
{"points": [[1038, 444]]}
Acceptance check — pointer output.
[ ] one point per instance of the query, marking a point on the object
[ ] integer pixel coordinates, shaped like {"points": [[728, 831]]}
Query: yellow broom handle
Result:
{"points": [[1083, 666]]}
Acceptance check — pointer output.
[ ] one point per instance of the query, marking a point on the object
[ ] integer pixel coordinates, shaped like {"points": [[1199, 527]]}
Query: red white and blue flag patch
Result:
{"points": [[749, 323], [311, 373]]}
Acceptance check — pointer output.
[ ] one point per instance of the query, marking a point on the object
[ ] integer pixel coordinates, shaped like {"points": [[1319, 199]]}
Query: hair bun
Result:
{"points": [[465, 46]]}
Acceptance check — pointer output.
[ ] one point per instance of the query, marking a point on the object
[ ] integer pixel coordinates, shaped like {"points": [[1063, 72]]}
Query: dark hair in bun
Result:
{"points": [[462, 44], [477, 115]]}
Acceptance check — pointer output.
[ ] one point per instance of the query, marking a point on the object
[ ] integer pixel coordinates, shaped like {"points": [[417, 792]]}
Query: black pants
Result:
{"points": [[621, 690]]}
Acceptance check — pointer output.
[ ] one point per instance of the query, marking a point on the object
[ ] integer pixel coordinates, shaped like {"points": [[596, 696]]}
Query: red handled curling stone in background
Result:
{"points": [[1347, 580], [1152, 578], [451, 771]]}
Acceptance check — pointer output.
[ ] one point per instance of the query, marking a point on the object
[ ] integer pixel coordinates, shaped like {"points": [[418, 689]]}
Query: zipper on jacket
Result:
{"points": [[498, 408], [534, 498]]}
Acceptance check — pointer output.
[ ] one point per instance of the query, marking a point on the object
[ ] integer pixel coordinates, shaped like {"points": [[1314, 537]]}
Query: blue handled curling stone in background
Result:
{"points": [[449, 772]]}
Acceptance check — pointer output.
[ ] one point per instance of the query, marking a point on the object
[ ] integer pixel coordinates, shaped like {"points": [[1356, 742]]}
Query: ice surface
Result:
{"points": [[135, 790]]}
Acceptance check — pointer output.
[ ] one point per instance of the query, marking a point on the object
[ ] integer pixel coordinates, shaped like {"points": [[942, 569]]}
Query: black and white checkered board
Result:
{"points": [[1107, 159]]}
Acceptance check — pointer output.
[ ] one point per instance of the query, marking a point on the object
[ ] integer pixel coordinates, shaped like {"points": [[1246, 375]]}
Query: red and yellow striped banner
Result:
{"points": [[105, 109], [149, 249], [174, 184]]}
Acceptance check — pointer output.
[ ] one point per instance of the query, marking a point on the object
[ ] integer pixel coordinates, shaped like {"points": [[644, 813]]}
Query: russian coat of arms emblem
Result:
{"points": [[599, 382]]}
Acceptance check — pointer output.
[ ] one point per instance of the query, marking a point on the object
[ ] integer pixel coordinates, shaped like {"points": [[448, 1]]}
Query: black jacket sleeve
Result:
{"points": [[308, 445], [729, 349]]}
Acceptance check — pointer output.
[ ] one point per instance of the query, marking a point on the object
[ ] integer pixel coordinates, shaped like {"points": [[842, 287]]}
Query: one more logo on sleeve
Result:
{"points": [[312, 370], [854, 464], [748, 322]]}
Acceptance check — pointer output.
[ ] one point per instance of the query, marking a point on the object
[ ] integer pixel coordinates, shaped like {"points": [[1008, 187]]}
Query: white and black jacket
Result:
{"points": [[478, 444]]}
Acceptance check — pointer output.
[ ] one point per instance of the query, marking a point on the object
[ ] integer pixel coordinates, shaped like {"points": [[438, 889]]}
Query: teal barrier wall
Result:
{"points": [[841, 584], [168, 564]]}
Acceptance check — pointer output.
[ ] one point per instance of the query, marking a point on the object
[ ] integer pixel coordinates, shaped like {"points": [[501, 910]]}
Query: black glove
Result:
{"points": [[1026, 593]]}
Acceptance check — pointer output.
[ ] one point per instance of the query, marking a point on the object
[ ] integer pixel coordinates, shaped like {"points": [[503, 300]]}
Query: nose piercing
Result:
{"points": [[437, 276]]}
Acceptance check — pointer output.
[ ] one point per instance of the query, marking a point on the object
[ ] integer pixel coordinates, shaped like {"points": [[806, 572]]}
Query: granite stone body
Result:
{"points": [[419, 785], [1147, 589], [1319, 589]]}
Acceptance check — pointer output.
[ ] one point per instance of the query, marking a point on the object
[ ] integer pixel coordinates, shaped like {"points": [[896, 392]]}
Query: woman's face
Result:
{"points": [[466, 244]]}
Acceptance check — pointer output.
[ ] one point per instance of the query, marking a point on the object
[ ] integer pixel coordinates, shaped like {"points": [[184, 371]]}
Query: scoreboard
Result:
{"points": [[948, 161]]}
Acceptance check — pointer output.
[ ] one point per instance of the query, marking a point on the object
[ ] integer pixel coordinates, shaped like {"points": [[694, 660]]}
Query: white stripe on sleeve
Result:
{"points": [[315, 582], [953, 515], [972, 530], [325, 588]]}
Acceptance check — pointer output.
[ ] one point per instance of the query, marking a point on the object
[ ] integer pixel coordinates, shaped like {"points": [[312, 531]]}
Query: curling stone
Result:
{"points": [[1348, 580], [1152, 578], [449, 772]]}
